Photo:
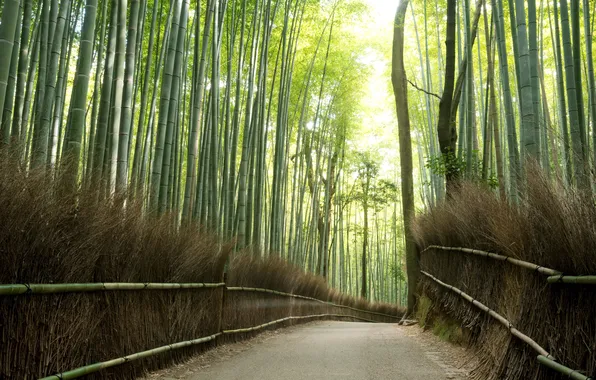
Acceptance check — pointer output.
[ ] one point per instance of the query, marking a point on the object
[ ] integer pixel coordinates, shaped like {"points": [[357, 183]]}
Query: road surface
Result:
{"points": [[329, 350]]}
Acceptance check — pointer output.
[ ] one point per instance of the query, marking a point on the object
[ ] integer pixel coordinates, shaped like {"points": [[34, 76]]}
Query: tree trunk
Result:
{"points": [[400, 89]]}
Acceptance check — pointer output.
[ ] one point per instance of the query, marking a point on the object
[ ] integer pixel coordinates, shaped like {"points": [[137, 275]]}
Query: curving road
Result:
{"points": [[333, 350]]}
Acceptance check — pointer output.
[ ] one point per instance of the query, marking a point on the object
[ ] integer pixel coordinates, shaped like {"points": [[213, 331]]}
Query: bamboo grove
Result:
{"points": [[230, 114], [499, 84]]}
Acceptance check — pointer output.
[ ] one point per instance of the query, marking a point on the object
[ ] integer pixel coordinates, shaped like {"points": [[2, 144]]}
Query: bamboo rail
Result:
{"points": [[544, 357], [554, 276], [16, 289], [519, 263], [81, 371], [261, 290], [572, 374], [19, 289], [580, 280], [92, 368]]}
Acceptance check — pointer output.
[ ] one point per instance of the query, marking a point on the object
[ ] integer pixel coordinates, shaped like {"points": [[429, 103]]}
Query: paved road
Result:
{"points": [[332, 350]]}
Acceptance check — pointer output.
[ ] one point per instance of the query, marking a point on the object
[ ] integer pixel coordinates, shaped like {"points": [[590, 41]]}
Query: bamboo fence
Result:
{"points": [[544, 357], [261, 290], [24, 289], [554, 276], [92, 368]]}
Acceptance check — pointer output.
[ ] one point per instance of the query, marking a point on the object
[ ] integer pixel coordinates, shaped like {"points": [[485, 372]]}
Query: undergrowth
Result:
{"points": [[48, 236], [551, 226]]}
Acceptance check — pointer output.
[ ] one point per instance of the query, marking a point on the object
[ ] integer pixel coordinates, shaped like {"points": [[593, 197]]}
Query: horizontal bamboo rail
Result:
{"points": [[572, 374], [19, 289], [16, 289], [519, 263], [92, 368], [579, 280], [547, 359], [260, 290], [554, 275]]}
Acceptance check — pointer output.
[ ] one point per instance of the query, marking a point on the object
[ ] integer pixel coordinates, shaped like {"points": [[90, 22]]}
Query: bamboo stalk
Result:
{"points": [[260, 290], [544, 357], [571, 373], [16, 289], [583, 280], [520, 263]]}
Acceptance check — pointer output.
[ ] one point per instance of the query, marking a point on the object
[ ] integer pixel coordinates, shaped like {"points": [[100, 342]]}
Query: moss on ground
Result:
{"points": [[441, 325]]}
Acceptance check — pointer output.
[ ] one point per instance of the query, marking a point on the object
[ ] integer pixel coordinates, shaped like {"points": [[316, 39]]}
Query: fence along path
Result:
{"points": [[554, 276], [24, 289]]}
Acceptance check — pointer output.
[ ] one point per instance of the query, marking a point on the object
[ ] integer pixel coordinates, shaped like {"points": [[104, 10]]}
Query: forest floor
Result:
{"points": [[329, 350]]}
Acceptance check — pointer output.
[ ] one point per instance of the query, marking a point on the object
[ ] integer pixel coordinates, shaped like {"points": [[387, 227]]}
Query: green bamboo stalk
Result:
{"points": [[577, 139], [117, 94], [6, 117], [22, 69], [79, 96], [589, 35], [539, 126], [40, 136], [528, 118], [127, 99], [164, 106], [198, 91], [106, 95], [507, 100], [136, 182], [51, 80], [25, 136], [564, 128], [577, 64], [173, 107], [8, 30]]}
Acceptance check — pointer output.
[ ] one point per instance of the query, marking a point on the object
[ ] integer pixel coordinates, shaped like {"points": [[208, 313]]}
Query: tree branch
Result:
{"points": [[423, 90]]}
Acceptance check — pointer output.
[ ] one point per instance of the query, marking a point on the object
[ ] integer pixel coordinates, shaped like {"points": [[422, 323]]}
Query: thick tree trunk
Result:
{"points": [[400, 89], [446, 132]]}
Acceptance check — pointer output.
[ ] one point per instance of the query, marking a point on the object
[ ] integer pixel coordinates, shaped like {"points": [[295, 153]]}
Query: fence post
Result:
{"points": [[223, 302]]}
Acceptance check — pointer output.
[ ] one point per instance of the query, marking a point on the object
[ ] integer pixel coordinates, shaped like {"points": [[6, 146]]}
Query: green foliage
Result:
{"points": [[443, 164], [446, 163], [397, 272]]}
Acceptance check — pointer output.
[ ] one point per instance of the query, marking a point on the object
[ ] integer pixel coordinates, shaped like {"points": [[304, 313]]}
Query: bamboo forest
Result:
{"points": [[427, 162], [294, 151]]}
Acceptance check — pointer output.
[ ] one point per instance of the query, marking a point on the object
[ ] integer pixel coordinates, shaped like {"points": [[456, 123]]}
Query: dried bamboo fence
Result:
{"points": [[554, 276], [241, 311]]}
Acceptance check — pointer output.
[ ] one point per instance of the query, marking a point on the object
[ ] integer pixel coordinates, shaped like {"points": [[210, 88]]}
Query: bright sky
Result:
{"points": [[384, 9], [378, 133]]}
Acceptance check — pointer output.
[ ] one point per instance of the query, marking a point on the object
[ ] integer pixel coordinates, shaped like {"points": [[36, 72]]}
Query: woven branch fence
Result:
{"points": [[554, 276], [221, 313]]}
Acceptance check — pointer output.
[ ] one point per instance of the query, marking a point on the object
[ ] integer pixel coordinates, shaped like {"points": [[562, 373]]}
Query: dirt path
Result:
{"points": [[328, 350]]}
